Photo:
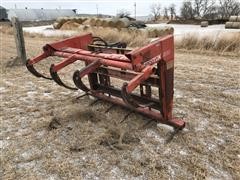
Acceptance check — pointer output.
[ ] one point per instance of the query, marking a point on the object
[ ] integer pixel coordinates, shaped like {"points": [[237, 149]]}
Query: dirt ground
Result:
{"points": [[83, 140]]}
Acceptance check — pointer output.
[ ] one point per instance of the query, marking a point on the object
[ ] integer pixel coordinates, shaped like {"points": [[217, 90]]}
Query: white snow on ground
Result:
{"points": [[48, 31], [179, 30]]}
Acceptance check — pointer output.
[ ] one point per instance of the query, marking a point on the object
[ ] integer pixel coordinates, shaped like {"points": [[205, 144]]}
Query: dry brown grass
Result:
{"points": [[224, 44], [7, 29], [134, 39], [227, 42]]}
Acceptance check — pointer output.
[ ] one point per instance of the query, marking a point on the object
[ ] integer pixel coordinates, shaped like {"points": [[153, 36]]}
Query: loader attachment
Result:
{"points": [[140, 79]]}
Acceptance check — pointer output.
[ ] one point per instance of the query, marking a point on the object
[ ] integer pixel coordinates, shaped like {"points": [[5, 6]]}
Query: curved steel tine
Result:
{"points": [[77, 76], [127, 98], [34, 71], [57, 79], [78, 81]]}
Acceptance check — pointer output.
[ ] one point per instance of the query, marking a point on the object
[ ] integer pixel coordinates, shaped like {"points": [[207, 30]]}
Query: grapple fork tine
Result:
{"points": [[127, 88], [78, 82], [77, 76], [57, 79], [31, 69]]}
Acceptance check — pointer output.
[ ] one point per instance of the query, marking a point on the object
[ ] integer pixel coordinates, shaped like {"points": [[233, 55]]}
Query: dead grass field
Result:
{"points": [[225, 44], [85, 143]]}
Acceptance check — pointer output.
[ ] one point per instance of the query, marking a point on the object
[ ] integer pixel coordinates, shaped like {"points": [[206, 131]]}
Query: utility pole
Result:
{"points": [[97, 9], [135, 10]]}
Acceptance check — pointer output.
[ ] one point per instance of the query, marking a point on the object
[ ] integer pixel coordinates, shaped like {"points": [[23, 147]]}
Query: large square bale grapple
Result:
{"points": [[142, 70]]}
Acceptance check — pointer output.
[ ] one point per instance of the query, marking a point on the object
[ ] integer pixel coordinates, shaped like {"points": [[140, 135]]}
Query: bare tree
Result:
{"points": [[211, 13], [156, 10], [172, 9], [165, 13], [123, 13], [203, 7], [187, 11], [208, 9], [228, 8], [198, 4]]}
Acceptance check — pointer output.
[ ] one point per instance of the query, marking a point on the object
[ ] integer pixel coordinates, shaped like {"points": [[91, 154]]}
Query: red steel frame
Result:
{"points": [[146, 67]]}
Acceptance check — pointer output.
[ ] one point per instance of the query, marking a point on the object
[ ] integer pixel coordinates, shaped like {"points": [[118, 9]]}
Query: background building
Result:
{"points": [[3, 14], [39, 14]]}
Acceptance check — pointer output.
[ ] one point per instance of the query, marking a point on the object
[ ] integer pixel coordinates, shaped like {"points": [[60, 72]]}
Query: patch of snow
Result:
{"points": [[184, 29], [217, 126], [183, 152], [21, 132], [236, 126], [24, 99], [26, 165], [3, 144], [136, 154], [233, 92], [48, 31], [48, 95], [92, 98], [115, 171], [53, 177], [31, 93], [154, 135], [194, 100], [9, 83], [30, 153], [3, 90], [219, 140], [41, 134], [171, 171], [30, 86], [91, 175], [167, 151], [219, 173], [65, 93], [165, 127], [178, 93], [202, 125], [211, 146]]}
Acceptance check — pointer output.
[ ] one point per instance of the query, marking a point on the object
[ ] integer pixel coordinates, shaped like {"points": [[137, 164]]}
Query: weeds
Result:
{"points": [[227, 42], [221, 43]]}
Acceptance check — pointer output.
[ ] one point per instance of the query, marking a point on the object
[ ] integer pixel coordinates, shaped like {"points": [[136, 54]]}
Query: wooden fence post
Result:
{"points": [[19, 39]]}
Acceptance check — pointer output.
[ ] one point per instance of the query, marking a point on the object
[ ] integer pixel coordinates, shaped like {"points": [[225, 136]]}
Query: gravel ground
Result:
{"points": [[46, 133]]}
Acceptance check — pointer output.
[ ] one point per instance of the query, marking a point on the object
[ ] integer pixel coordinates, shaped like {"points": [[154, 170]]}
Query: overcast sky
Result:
{"points": [[90, 6]]}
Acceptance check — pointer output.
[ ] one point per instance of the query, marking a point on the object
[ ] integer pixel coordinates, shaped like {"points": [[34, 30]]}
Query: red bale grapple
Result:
{"points": [[142, 70]]}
